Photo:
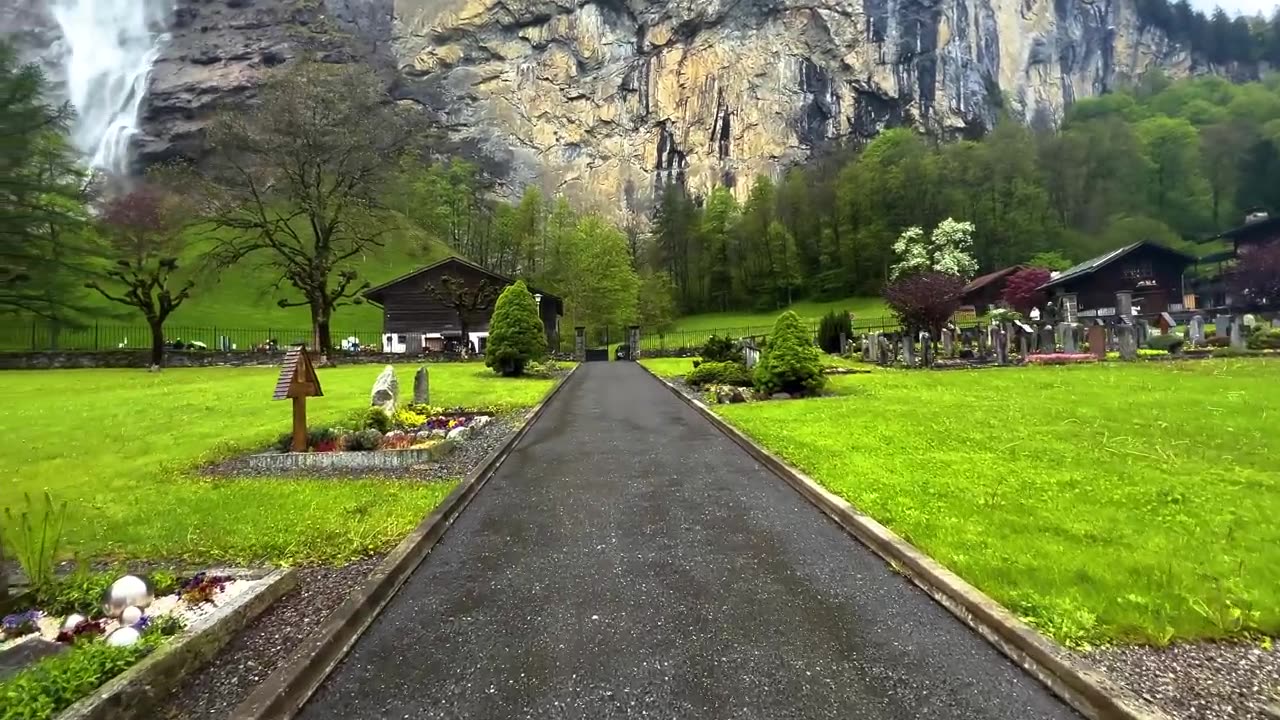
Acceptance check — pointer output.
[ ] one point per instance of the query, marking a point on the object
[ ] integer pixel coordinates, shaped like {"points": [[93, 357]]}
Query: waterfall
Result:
{"points": [[110, 48]]}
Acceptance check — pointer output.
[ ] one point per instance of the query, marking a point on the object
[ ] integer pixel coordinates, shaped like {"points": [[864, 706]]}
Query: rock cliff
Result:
{"points": [[607, 99]]}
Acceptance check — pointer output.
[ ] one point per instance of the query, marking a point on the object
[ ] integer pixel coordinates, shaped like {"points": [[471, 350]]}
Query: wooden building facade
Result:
{"points": [[414, 320], [1154, 274], [1259, 229]]}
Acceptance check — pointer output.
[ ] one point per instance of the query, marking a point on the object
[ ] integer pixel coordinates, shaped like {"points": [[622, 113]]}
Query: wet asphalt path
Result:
{"points": [[629, 561]]}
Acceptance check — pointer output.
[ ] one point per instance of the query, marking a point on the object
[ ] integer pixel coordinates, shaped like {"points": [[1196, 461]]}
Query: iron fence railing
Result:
{"points": [[38, 336]]}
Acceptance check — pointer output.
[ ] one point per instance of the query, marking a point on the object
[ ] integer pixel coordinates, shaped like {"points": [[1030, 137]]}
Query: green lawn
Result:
{"points": [[668, 367], [1110, 502], [863, 308], [118, 446]]}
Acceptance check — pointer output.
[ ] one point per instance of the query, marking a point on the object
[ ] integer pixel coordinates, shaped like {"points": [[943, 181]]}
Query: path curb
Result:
{"points": [[283, 694], [1083, 687]]}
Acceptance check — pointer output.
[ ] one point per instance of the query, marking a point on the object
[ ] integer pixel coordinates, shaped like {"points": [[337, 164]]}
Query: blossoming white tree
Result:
{"points": [[947, 250]]}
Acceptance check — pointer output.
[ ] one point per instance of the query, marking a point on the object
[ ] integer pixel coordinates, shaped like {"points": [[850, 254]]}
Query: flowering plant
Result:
{"points": [[202, 588], [83, 629], [1061, 358], [20, 624]]}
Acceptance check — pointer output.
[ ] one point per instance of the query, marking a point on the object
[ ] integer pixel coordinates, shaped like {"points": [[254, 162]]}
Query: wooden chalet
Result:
{"points": [[984, 292], [1259, 229], [414, 320], [1153, 273]]}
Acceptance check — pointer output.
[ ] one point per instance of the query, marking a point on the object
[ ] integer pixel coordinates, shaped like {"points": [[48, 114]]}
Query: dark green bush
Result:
{"points": [[80, 592], [719, 373], [1169, 343], [363, 441], [516, 333], [790, 363], [55, 683], [829, 329], [1265, 339], [721, 349], [375, 418]]}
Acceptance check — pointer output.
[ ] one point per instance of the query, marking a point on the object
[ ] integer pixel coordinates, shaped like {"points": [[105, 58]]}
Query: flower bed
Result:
{"points": [[1061, 359]]}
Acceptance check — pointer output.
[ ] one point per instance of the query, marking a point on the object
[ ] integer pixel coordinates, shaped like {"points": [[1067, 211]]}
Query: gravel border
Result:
{"points": [[1198, 681], [453, 466], [249, 658]]}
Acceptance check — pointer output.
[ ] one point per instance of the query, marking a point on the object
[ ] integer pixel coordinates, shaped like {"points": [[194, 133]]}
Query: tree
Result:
{"points": [[946, 251], [1022, 289], [600, 286], [142, 234], [465, 299], [656, 306], [1255, 280], [790, 363], [925, 301], [297, 181], [1050, 260], [786, 263], [42, 196], [516, 333]]}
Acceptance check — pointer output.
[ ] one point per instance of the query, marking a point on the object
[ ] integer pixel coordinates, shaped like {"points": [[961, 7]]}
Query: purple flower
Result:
{"points": [[23, 623]]}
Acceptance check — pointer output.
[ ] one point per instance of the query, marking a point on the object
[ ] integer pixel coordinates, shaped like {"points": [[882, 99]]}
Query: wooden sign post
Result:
{"points": [[298, 382]]}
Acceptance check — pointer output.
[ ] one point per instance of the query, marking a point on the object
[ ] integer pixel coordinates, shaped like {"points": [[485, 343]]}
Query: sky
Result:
{"points": [[1248, 7]]}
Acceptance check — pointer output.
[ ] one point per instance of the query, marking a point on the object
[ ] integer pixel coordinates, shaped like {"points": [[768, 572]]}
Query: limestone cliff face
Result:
{"points": [[607, 99]]}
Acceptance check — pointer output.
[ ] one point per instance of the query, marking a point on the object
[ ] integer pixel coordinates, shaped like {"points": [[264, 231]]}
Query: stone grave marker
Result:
{"points": [[297, 382], [1046, 342], [1143, 329], [1002, 346], [1098, 341], [1068, 332], [422, 387], [1196, 330], [908, 350], [1238, 339], [885, 350], [926, 348], [1127, 336], [386, 391], [948, 343], [1221, 326]]}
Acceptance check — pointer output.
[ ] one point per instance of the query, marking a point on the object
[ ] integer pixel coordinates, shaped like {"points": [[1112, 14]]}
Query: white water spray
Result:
{"points": [[111, 46]]}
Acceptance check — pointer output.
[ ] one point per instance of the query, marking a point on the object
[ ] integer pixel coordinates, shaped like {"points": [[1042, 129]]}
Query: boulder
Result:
{"points": [[423, 435], [460, 433], [422, 387], [386, 391], [480, 421]]}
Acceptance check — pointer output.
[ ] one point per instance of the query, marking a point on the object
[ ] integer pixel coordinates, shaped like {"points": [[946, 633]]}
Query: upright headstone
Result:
{"points": [[1002, 346], [1068, 332], [1024, 345], [386, 390], [1239, 340], [1098, 341], [926, 349], [948, 343], [1048, 341], [1127, 337], [1196, 330], [884, 350], [422, 387], [1143, 329], [983, 338], [866, 349], [1221, 326], [873, 347], [844, 342], [908, 350], [580, 343], [1124, 304]]}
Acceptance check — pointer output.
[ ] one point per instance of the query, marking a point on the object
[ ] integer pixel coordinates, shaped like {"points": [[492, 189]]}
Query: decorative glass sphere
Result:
{"points": [[72, 620], [130, 615], [128, 591], [123, 637]]}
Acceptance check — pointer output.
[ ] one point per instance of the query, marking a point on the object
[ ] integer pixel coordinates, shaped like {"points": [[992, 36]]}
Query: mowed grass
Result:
{"points": [[1104, 503], [679, 367], [863, 308], [119, 445]]}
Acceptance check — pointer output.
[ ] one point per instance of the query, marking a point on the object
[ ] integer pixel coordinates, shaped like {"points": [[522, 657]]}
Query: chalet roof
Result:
{"points": [[374, 294], [1271, 224], [1090, 266], [984, 280]]}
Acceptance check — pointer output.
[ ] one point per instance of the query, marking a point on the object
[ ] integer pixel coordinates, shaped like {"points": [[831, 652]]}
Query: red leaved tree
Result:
{"points": [[925, 301], [1021, 289], [1255, 280], [142, 236]]}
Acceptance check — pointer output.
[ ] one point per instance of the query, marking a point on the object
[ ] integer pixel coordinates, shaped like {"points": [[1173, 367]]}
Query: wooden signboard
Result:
{"points": [[298, 381]]}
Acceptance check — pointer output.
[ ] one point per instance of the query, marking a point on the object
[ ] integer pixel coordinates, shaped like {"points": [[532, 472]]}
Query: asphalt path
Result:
{"points": [[629, 561]]}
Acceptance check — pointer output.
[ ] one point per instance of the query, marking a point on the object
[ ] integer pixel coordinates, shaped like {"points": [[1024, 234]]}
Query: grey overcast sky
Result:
{"points": [[1248, 7]]}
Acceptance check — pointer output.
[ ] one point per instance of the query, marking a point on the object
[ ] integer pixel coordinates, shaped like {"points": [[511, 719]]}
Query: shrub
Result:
{"points": [[516, 333], [375, 418], [925, 301], [408, 419], [323, 439], [790, 363], [55, 683], [35, 535], [829, 329], [1265, 339], [721, 349], [548, 368], [363, 441], [719, 373], [1021, 289], [81, 592], [1167, 343], [1217, 342]]}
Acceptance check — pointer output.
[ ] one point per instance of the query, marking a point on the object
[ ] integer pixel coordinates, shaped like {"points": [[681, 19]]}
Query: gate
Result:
{"points": [[606, 343]]}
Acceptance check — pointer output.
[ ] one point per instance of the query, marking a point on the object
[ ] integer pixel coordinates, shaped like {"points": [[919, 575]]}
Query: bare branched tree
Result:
{"points": [[465, 299]]}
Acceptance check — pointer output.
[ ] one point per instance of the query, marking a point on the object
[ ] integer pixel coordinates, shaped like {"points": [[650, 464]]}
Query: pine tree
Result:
{"points": [[516, 333], [790, 363]]}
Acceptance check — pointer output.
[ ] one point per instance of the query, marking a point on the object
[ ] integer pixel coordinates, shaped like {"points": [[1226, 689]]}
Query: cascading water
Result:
{"points": [[111, 46]]}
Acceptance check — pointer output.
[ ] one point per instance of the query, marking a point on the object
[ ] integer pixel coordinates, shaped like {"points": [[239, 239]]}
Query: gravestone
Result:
{"points": [[1143, 331], [1002, 346], [1098, 341], [908, 350], [1124, 304], [1196, 330], [884, 350], [1238, 339], [1167, 323], [873, 347], [866, 349], [297, 382], [1127, 337], [1024, 345], [1067, 331], [1047, 342], [926, 349], [983, 338], [422, 387], [948, 344], [386, 391], [844, 342], [1221, 326]]}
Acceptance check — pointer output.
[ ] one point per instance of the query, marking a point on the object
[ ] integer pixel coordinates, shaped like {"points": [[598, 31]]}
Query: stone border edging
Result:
{"points": [[1085, 688], [136, 691], [283, 694]]}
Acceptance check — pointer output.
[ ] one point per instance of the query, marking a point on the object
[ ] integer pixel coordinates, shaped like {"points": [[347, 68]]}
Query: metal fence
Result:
{"points": [[36, 336], [692, 340]]}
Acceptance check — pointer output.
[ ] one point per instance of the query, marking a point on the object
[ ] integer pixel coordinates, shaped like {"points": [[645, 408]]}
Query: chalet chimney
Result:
{"points": [[1255, 215]]}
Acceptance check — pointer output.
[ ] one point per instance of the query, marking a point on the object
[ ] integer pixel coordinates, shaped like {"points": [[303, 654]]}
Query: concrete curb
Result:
{"points": [[1086, 689], [137, 691], [285, 691]]}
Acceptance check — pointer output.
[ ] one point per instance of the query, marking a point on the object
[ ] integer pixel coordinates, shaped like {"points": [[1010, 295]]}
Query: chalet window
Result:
{"points": [[1138, 270], [400, 339]]}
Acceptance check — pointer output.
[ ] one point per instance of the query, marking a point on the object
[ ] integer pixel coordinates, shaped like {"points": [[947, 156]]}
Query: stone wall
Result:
{"points": [[181, 358]]}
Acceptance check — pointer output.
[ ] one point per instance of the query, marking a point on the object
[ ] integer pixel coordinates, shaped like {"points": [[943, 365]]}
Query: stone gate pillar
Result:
{"points": [[580, 343], [633, 341]]}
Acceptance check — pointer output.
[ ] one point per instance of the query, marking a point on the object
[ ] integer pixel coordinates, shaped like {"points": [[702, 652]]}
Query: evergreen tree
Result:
{"points": [[790, 362], [516, 333]]}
